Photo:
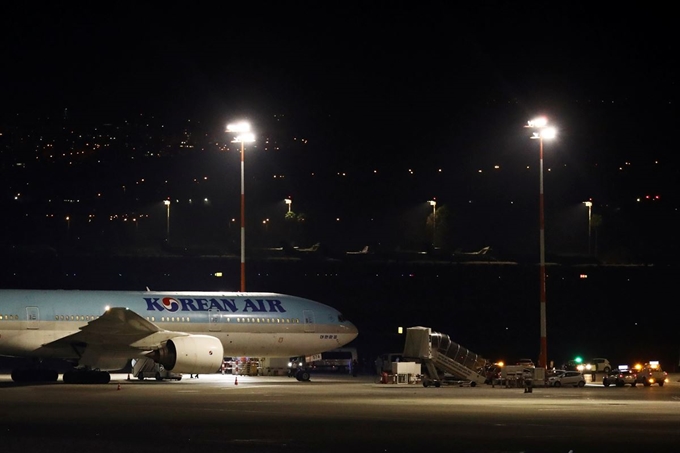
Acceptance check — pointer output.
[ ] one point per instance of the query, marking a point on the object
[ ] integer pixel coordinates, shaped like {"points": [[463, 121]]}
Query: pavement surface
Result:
{"points": [[334, 413]]}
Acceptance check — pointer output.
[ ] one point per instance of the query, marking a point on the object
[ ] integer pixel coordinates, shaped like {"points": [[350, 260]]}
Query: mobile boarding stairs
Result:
{"points": [[438, 353]]}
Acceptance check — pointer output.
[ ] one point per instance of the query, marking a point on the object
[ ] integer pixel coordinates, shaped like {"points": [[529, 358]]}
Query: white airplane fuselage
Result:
{"points": [[83, 326]]}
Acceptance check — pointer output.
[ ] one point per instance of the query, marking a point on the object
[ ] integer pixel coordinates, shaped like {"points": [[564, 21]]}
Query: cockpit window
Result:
{"points": [[341, 318]]}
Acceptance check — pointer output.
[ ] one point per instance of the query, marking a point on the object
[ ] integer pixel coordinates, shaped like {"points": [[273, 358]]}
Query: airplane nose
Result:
{"points": [[351, 330]]}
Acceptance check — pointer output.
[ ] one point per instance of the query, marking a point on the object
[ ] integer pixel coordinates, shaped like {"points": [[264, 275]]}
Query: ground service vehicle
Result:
{"points": [[336, 360], [147, 368], [651, 373], [620, 377], [383, 364], [566, 378]]}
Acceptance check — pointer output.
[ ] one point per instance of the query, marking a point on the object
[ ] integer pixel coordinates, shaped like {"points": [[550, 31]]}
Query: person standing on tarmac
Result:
{"points": [[378, 366], [355, 367], [528, 377]]}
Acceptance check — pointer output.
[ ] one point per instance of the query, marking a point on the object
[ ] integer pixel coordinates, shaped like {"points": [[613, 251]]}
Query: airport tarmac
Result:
{"points": [[333, 413]]}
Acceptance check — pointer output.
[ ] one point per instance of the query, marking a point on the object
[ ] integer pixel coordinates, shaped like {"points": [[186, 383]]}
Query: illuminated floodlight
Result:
{"points": [[244, 138], [538, 122], [548, 132], [242, 126]]}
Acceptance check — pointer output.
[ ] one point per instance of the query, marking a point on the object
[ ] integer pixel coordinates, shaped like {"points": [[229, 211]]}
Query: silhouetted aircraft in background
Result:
{"points": [[363, 251], [482, 254]]}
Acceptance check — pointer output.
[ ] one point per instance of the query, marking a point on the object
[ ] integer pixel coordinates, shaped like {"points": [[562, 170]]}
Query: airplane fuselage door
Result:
{"points": [[214, 319], [32, 318], [308, 319]]}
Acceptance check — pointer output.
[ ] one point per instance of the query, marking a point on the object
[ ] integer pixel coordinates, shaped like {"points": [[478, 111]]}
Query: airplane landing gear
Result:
{"points": [[82, 376], [302, 375], [34, 375]]}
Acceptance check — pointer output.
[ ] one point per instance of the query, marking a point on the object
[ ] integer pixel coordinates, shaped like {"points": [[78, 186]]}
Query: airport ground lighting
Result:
{"points": [[589, 204], [242, 129], [433, 203], [542, 132]]}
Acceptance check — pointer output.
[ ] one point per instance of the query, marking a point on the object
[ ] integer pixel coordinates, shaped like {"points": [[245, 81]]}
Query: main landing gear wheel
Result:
{"points": [[34, 375], [86, 377], [302, 375]]}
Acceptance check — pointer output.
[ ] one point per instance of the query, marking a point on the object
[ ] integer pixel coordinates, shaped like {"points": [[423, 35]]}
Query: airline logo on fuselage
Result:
{"points": [[172, 304]]}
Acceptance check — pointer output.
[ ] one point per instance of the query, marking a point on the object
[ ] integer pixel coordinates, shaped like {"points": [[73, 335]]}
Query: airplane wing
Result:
{"points": [[118, 328]]}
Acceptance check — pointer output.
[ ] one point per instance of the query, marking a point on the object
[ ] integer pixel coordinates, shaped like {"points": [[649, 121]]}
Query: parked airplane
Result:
{"points": [[482, 251], [186, 332], [363, 251]]}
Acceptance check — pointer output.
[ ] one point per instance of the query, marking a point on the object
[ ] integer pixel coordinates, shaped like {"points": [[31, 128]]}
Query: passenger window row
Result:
{"points": [[75, 317], [238, 320]]}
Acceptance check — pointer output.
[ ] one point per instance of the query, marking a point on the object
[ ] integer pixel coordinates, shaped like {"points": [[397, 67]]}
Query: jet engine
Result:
{"points": [[190, 354]]}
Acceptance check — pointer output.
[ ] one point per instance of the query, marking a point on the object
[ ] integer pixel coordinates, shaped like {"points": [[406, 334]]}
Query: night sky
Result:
{"points": [[414, 101], [382, 64], [425, 86]]}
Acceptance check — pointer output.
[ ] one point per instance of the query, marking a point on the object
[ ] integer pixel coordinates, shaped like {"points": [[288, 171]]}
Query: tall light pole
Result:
{"points": [[544, 132], [590, 207], [243, 129], [433, 203], [167, 221], [289, 202]]}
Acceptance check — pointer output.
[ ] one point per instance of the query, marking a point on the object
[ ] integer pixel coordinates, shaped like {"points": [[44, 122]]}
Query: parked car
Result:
{"points": [[597, 364], [620, 377], [571, 365], [565, 378], [526, 362]]}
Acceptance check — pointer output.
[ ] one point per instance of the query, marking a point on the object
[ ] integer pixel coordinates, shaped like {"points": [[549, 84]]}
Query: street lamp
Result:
{"points": [[544, 132], [243, 129], [289, 202], [167, 221], [590, 207], [433, 203]]}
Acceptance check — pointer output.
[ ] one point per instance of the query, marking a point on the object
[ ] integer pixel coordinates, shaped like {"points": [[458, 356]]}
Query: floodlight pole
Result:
{"points": [[244, 129], [243, 220], [433, 203], [589, 204], [543, 131], [543, 357], [167, 221]]}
